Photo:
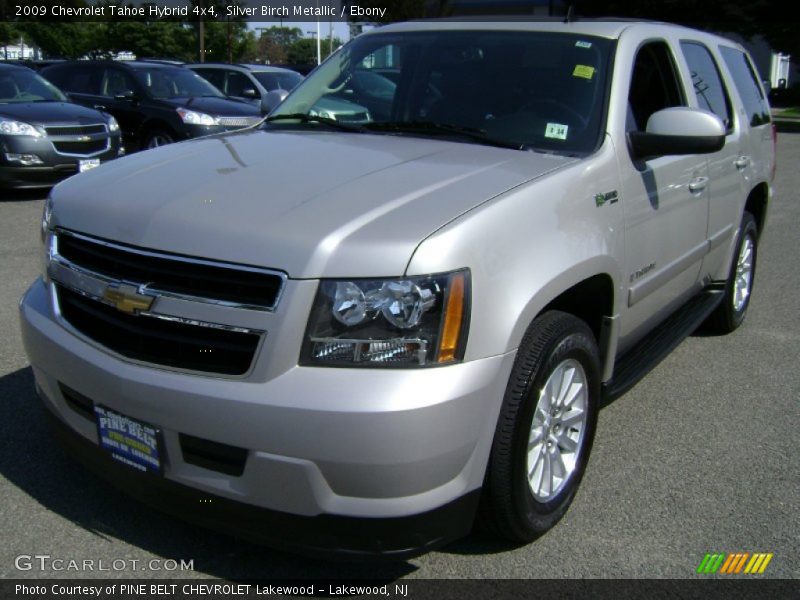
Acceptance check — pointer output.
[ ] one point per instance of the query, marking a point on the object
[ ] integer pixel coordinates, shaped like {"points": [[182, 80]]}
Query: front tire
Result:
{"points": [[156, 138], [730, 314], [545, 431]]}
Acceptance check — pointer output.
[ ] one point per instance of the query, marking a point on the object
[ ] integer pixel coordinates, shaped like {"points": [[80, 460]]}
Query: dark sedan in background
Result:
{"points": [[155, 103], [43, 136]]}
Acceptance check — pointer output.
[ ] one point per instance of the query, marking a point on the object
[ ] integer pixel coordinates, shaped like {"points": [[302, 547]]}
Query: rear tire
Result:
{"points": [[545, 431], [730, 314]]}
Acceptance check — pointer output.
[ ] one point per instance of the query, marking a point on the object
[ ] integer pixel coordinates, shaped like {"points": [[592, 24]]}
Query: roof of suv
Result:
{"points": [[242, 67], [609, 27]]}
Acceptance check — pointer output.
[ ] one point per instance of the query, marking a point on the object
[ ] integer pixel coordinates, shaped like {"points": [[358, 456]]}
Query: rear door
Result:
{"points": [[754, 114], [728, 168]]}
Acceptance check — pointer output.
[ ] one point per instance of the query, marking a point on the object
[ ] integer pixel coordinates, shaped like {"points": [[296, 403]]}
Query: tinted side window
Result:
{"points": [[654, 85], [238, 83], [116, 82], [707, 82], [75, 78], [215, 76], [746, 81]]}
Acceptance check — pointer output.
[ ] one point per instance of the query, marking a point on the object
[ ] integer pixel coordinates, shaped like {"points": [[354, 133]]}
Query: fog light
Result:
{"points": [[24, 159]]}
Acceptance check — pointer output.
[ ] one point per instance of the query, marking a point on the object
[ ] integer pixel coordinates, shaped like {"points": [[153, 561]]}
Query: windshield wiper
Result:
{"points": [[305, 118], [443, 129]]}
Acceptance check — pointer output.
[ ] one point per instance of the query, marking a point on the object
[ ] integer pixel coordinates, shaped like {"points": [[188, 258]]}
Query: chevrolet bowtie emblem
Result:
{"points": [[127, 299]]}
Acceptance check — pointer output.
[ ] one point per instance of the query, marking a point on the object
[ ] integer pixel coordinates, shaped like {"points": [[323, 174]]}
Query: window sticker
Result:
{"points": [[556, 131], [582, 44], [584, 71]]}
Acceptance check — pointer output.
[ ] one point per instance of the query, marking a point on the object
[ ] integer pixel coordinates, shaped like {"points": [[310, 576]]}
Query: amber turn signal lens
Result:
{"points": [[453, 318]]}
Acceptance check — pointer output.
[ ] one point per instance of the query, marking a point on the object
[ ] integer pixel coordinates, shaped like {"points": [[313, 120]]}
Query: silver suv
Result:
{"points": [[357, 337]]}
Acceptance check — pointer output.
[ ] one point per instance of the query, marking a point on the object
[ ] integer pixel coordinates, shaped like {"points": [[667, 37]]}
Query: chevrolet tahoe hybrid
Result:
{"points": [[363, 337]]}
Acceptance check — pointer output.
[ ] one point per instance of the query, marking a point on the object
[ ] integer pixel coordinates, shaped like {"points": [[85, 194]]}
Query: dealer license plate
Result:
{"points": [[129, 441], [88, 163]]}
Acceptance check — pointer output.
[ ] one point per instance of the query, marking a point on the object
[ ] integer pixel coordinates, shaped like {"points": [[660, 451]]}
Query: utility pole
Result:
{"points": [[201, 33], [319, 41]]}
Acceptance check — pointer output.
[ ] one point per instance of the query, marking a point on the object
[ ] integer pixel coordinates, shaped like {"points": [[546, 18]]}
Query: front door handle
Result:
{"points": [[698, 184], [100, 107], [742, 162]]}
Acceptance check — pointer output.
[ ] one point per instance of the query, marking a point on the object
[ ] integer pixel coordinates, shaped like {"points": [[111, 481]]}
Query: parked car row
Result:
{"points": [[138, 105], [73, 115]]}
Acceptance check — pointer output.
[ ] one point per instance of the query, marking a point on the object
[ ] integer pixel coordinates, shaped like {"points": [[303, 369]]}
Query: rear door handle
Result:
{"points": [[742, 162], [698, 184]]}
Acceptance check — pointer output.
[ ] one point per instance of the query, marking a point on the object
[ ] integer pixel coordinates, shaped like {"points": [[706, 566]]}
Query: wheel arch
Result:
{"points": [[756, 204], [588, 291]]}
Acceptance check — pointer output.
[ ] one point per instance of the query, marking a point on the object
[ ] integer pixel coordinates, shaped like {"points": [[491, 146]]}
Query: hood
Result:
{"points": [[48, 113], [214, 106], [311, 204]]}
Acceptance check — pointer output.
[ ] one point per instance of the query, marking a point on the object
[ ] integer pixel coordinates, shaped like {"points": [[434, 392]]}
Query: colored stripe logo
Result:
{"points": [[735, 563]]}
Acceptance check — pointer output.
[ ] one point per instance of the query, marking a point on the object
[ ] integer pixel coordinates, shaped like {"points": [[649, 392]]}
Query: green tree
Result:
{"points": [[166, 39], [274, 43], [66, 40], [304, 51]]}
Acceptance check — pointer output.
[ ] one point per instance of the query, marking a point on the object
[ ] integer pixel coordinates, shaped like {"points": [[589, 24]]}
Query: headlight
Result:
{"points": [[47, 214], [47, 237], [322, 113], [404, 322], [9, 127], [113, 126], [191, 117]]}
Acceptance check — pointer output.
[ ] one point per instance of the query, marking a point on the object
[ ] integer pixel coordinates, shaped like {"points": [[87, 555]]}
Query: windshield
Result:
{"points": [[535, 90], [20, 85], [278, 81], [175, 83]]}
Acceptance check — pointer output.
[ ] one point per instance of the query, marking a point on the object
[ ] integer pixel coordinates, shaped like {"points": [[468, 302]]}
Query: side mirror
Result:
{"points": [[272, 100], [249, 93], [128, 95], [678, 130]]}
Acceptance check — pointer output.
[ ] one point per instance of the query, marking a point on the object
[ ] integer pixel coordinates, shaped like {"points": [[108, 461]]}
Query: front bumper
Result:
{"points": [[401, 453], [55, 166]]}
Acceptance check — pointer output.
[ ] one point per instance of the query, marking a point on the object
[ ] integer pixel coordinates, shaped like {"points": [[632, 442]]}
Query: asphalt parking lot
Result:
{"points": [[701, 456]]}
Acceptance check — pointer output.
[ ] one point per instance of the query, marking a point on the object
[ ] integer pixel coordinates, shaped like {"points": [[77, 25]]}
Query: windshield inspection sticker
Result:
{"points": [[582, 44], [584, 71], [556, 131]]}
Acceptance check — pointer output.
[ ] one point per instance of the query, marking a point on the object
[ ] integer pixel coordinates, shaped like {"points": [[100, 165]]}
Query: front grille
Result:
{"points": [[81, 148], [159, 341], [74, 129], [238, 121], [172, 273], [213, 455]]}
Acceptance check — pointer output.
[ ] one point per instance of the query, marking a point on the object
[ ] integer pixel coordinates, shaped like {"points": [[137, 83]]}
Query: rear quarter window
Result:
{"points": [[746, 82]]}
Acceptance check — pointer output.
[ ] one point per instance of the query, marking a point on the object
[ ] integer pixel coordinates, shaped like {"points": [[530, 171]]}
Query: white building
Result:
{"points": [[18, 52]]}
